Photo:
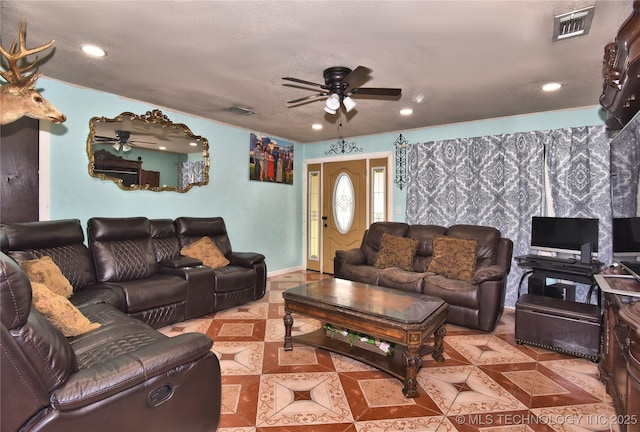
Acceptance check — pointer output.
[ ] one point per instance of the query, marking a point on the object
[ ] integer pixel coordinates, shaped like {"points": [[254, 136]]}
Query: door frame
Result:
{"points": [[305, 215]]}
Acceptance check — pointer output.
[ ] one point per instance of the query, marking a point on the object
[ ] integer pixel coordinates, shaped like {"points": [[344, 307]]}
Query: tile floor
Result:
{"points": [[487, 381]]}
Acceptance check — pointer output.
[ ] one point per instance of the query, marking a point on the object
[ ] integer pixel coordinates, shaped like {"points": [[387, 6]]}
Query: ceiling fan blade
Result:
{"points": [[304, 82], [356, 76], [307, 98], [104, 138], [378, 91]]}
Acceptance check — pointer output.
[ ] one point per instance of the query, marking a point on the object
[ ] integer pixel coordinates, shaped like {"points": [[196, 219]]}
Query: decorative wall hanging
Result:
{"points": [[401, 161], [270, 160], [342, 147]]}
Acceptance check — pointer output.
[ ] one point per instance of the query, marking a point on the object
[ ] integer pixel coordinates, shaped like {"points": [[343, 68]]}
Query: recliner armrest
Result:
{"points": [[113, 376], [494, 272], [246, 259], [351, 256], [182, 261]]}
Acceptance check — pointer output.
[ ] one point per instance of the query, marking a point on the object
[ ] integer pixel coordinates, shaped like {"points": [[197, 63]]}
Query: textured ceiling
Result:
{"points": [[455, 61]]}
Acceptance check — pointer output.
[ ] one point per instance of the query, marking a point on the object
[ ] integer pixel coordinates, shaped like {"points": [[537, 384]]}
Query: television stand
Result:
{"points": [[541, 268]]}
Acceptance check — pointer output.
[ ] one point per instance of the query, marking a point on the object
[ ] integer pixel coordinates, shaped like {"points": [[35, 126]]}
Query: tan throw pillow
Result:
{"points": [[206, 251], [60, 312], [45, 271], [396, 252], [454, 258]]}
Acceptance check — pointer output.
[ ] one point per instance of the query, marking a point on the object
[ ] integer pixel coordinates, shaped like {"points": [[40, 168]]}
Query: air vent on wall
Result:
{"points": [[576, 23], [240, 111]]}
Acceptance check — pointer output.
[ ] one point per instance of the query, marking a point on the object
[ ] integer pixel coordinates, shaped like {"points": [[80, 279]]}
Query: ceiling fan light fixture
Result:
{"points": [[126, 148], [348, 103], [333, 102], [329, 110], [116, 146]]}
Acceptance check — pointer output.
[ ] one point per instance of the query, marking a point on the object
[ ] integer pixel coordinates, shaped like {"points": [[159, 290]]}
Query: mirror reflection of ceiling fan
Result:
{"points": [[340, 83], [122, 141]]}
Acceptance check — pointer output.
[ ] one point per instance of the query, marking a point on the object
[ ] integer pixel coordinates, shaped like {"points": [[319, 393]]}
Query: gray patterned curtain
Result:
{"points": [[578, 160], [494, 180], [579, 164], [190, 172]]}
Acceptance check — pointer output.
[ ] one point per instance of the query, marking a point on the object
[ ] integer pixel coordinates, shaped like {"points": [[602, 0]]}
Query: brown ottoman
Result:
{"points": [[559, 325]]}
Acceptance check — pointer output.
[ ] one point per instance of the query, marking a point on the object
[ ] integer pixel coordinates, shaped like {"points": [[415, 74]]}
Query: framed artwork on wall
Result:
{"points": [[270, 160]]}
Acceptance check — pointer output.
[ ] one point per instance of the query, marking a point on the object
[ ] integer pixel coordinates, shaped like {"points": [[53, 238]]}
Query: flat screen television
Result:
{"points": [[625, 237], [563, 235]]}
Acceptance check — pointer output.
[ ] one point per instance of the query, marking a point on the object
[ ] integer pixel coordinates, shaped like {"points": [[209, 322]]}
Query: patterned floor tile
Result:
{"points": [[302, 399], [487, 383]]}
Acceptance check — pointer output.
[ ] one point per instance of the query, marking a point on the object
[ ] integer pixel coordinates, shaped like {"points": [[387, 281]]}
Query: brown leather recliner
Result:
{"points": [[121, 376], [243, 280], [123, 254]]}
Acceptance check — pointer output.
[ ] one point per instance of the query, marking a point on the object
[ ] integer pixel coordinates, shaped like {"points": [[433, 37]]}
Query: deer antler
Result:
{"points": [[17, 53]]}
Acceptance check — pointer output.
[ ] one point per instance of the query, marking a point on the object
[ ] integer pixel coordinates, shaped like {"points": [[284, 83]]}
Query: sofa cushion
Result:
{"points": [[206, 251], [60, 312], [45, 271], [401, 279], [396, 252], [454, 258]]}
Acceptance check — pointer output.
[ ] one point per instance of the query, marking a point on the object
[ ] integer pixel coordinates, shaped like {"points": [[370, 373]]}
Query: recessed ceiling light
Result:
{"points": [[316, 126], [162, 148], [93, 50], [193, 144], [406, 111], [549, 87]]}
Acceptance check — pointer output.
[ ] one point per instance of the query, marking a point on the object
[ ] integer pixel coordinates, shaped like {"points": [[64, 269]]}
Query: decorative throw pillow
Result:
{"points": [[396, 252], [60, 312], [206, 251], [454, 258], [45, 271]]}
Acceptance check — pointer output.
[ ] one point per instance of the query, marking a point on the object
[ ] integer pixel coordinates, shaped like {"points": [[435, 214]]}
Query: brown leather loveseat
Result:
{"points": [[123, 375], [476, 302]]}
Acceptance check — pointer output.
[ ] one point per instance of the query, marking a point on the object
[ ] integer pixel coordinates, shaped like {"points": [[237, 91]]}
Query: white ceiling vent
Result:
{"points": [[576, 23]]}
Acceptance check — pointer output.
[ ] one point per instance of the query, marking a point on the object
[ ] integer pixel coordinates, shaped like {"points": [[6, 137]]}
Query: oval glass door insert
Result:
{"points": [[343, 203]]}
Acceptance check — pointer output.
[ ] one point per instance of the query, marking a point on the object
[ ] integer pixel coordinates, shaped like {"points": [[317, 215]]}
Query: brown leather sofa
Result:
{"points": [[135, 265], [476, 304], [123, 375]]}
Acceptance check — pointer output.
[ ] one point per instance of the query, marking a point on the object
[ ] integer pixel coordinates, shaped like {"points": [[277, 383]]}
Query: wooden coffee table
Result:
{"points": [[406, 319]]}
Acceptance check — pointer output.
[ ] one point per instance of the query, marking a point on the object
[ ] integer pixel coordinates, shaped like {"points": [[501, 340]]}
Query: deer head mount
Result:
{"points": [[18, 97]]}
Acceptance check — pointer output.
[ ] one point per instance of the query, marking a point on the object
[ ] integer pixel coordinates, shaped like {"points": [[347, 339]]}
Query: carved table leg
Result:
{"points": [[438, 347], [288, 323], [412, 362]]}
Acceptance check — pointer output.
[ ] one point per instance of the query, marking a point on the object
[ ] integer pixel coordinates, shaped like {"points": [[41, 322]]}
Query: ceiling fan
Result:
{"points": [[122, 141], [340, 83]]}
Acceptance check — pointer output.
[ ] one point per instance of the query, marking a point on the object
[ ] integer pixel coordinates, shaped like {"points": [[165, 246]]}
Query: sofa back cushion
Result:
{"points": [[373, 238], [165, 240], [192, 229], [487, 237], [122, 248], [424, 234], [62, 240]]}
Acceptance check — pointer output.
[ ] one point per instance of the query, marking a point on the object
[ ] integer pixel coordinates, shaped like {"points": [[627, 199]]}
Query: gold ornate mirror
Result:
{"points": [[147, 152]]}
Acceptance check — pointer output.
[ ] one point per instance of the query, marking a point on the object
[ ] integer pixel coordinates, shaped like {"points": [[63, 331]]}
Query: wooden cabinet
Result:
{"points": [[151, 178], [620, 365], [129, 171]]}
